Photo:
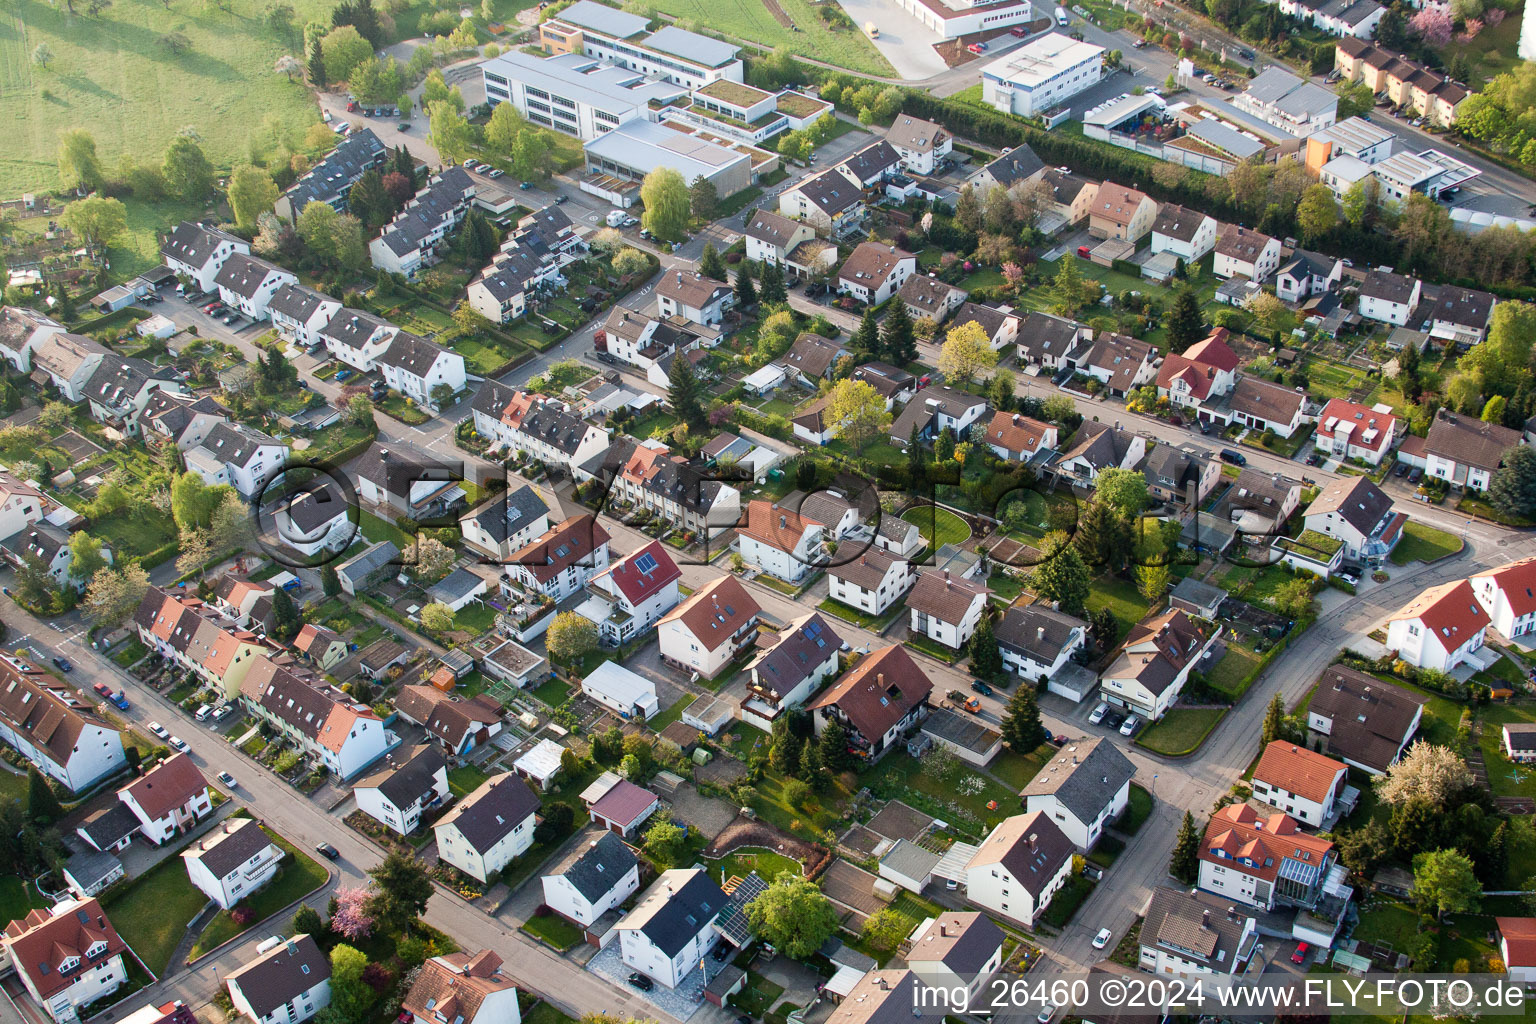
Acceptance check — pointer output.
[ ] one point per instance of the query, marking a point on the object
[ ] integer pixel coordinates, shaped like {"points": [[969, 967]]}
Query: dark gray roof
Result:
{"points": [[1388, 287], [223, 852], [365, 563], [1015, 166], [683, 913], [1041, 335], [407, 777], [297, 301], [192, 243], [1084, 777], [801, 648], [875, 158], [437, 204], [109, 827], [1179, 222], [990, 318], [487, 815], [830, 192], [511, 513], [1197, 926], [549, 420], [313, 509], [492, 398], [236, 443], [1020, 629], [92, 867], [510, 275], [396, 467], [1356, 500], [1175, 467], [412, 354], [596, 872], [770, 227], [1463, 307], [282, 973], [1199, 593], [353, 327], [1370, 718], [454, 586], [244, 274], [118, 380], [1101, 444], [333, 176]]}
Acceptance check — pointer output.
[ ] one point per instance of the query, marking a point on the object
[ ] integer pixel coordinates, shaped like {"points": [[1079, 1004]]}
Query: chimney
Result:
{"points": [[1032, 838], [1205, 919], [880, 679], [943, 930], [1039, 632]]}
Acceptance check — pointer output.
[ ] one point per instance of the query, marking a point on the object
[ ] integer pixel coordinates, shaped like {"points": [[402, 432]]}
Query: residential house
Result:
{"points": [[561, 561], [1044, 340], [48, 545], [1263, 862], [1243, 252], [233, 861], [66, 361], [770, 237], [684, 492], [313, 714], [357, 338], [1406, 83], [408, 242], [505, 289], [182, 420], [696, 298], [877, 701], [489, 828], [872, 582], [891, 382], [1347, 18], [169, 799], [67, 957], [463, 988], [787, 673], [708, 630], [958, 950], [632, 594], [1461, 315], [1368, 723], [288, 982], [51, 727], [602, 879], [1464, 450], [811, 359], [425, 373], [871, 166], [1037, 642], [506, 524], [1303, 783], [1204, 372], [1349, 430], [671, 928], [1389, 298], [1519, 741], [646, 341], [545, 428], [1194, 935], [1019, 166], [238, 455], [1019, 868], [1260, 504], [1359, 514], [623, 808], [1184, 475], [407, 480], [21, 504], [410, 784], [460, 726], [1084, 788], [873, 272], [1018, 438], [1066, 199], [829, 202], [1263, 405], [332, 178], [1185, 233], [934, 410], [1121, 212], [1517, 947], [779, 541], [248, 283], [197, 252], [300, 313], [1508, 595], [1154, 663], [838, 514], [922, 145], [1304, 274], [1096, 447], [1121, 363], [930, 297], [1441, 628], [120, 389], [898, 536], [946, 608], [1001, 326]]}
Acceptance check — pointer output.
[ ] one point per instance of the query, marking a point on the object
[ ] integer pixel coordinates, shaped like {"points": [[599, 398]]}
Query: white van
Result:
{"points": [[615, 218], [1061, 17]]}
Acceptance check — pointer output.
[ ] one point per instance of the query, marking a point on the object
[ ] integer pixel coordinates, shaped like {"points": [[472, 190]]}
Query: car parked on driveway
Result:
{"points": [[640, 981], [1098, 714], [1129, 726]]}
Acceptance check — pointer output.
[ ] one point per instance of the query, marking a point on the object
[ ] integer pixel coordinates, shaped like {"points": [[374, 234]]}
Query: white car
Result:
{"points": [[1130, 726], [177, 743], [1102, 939], [1046, 1014], [1098, 714], [229, 780], [158, 730]]}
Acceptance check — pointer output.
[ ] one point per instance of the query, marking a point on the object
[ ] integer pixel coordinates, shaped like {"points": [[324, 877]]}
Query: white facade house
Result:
{"points": [[247, 283], [603, 878], [616, 687], [1262, 861], [1084, 788], [872, 582], [198, 253], [1508, 595], [425, 373], [1195, 934], [632, 594], [706, 632], [786, 674], [489, 828], [357, 338], [238, 455], [1301, 782], [408, 242], [922, 145], [1019, 868], [66, 957], [1442, 628], [672, 928], [413, 782], [233, 861], [780, 542], [1187, 234], [1159, 653], [1041, 74], [300, 313], [559, 563], [959, 949], [1389, 298], [945, 607], [693, 297], [288, 983], [873, 272], [51, 727], [1243, 252], [1037, 642], [168, 799]]}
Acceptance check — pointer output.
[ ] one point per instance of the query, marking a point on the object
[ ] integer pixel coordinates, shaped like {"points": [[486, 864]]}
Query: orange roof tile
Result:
{"points": [[1296, 769]]}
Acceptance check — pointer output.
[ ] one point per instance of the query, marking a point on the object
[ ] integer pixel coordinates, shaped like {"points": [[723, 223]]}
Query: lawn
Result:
{"points": [[859, 617], [552, 692], [299, 875], [1255, 585], [132, 651], [115, 75], [1181, 730], [483, 356], [938, 526], [17, 898], [554, 931], [672, 713], [1422, 543], [1504, 777], [1230, 675], [961, 798], [152, 912], [1121, 597], [1137, 809], [750, 20], [375, 530], [1017, 769], [746, 859], [465, 780], [544, 1013]]}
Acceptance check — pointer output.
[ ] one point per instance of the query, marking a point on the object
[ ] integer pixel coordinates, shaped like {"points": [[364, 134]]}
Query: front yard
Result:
{"points": [[1422, 543], [938, 526], [1180, 731], [152, 912]]}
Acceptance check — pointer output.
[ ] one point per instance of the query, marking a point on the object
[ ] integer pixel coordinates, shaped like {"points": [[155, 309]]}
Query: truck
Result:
{"points": [[961, 700], [614, 219]]}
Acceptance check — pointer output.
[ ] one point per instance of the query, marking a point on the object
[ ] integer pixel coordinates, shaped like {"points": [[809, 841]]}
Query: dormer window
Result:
{"points": [[68, 964]]}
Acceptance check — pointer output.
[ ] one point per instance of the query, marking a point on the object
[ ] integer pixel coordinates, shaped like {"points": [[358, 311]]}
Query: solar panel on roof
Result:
{"points": [[732, 922], [646, 563]]}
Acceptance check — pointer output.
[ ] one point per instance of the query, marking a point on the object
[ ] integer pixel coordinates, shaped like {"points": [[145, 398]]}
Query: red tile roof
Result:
{"points": [[167, 786], [561, 547], [1518, 581], [1450, 611], [39, 943], [1297, 770], [1365, 419], [777, 527], [1520, 936], [714, 613], [1242, 834], [879, 692], [638, 586], [1213, 350]]}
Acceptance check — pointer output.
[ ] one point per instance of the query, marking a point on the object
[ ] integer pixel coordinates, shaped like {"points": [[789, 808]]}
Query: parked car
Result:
{"points": [[1102, 939], [560, 199], [210, 307], [1045, 1015], [640, 981], [342, 375], [495, 172], [525, 185], [719, 953], [1416, 474], [1083, 251], [1236, 458], [959, 699], [103, 689], [177, 743], [1098, 714], [230, 318], [158, 730], [1347, 577], [120, 700], [1400, 470], [1245, 54], [1300, 956], [63, 664], [203, 712], [981, 687], [977, 47], [1138, 44], [223, 711], [1019, 31], [1313, 458], [403, 126], [327, 851], [351, 106], [1129, 726], [227, 779]]}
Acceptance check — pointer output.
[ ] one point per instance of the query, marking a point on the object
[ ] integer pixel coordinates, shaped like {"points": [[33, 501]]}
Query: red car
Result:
{"points": [[103, 689], [1082, 251], [211, 307], [1300, 956], [1018, 32], [977, 47], [352, 106]]}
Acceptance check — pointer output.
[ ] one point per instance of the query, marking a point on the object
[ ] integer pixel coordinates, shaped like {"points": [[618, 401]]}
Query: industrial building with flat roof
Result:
{"points": [[636, 148], [1041, 74], [572, 92], [675, 54]]}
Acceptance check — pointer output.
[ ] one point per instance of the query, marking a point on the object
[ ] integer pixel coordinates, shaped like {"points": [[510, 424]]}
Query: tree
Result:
{"points": [[1069, 289], [115, 593], [85, 556], [1061, 575], [1152, 582], [986, 658], [502, 129], [530, 153], [334, 239], [1123, 490], [330, 583], [437, 617], [1185, 863], [1002, 389], [350, 995], [703, 198], [42, 55], [898, 341], [477, 241], [306, 921], [1103, 537], [401, 889], [1274, 720], [885, 930], [832, 747], [370, 204], [1444, 882], [1318, 213], [746, 292], [314, 66], [360, 411], [865, 342], [351, 919], [343, 48], [710, 263], [570, 638], [793, 915], [1513, 488], [448, 131], [286, 620], [683, 392], [966, 352], [857, 413], [96, 220], [1493, 409], [771, 288], [666, 198], [251, 192], [944, 446], [558, 819], [188, 174], [1433, 25], [1021, 721], [1186, 323], [1433, 773], [79, 167], [629, 262], [664, 840], [1293, 599], [43, 807]]}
